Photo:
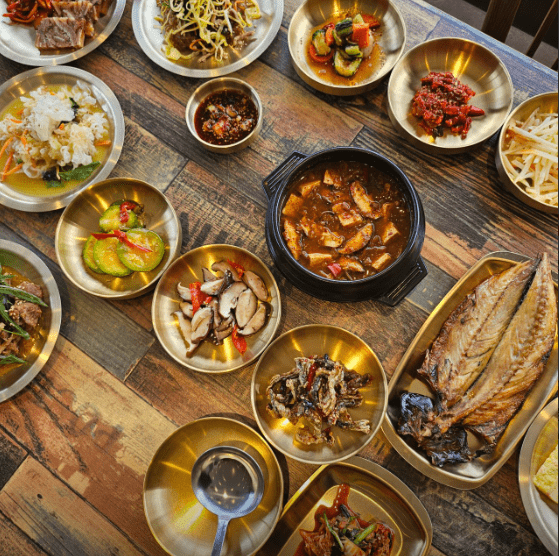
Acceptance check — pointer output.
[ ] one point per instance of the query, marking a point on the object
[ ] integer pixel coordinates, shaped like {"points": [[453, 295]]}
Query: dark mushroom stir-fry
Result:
{"points": [[20, 315], [233, 304], [321, 392]]}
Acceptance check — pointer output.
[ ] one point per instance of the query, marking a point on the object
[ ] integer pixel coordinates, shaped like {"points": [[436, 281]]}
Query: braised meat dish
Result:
{"points": [[345, 220], [488, 356], [321, 392], [20, 316], [339, 531]]}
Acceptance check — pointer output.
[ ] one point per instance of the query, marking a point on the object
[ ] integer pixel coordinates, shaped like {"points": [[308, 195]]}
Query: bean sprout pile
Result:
{"points": [[206, 28]]}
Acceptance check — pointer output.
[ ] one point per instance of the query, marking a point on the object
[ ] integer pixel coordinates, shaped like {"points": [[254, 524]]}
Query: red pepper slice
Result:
{"points": [[335, 269], [317, 58], [123, 239], [310, 378], [239, 341], [238, 267], [124, 208], [197, 296]]}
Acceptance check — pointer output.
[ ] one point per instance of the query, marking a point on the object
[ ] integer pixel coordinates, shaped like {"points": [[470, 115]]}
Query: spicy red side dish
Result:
{"points": [[339, 531], [442, 103], [225, 117]]}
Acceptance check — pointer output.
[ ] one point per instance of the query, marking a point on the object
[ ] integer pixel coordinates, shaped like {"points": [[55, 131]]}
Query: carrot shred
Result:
{"points": [[61, 126], [103, 143], [5, 146], [14, 170], [8, 164]]}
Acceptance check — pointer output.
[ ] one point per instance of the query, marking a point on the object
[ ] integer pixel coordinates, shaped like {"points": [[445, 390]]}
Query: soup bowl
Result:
{"points": [[391, 284]]}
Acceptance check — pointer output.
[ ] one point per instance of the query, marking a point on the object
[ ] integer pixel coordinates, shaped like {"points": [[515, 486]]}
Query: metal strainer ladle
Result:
{"points": [[229, 483]]}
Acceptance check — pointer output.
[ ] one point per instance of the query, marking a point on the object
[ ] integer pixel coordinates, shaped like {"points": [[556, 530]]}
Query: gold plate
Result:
{"points": [[547, 102], [475, 66], [375, 493], [340, 345], [81, 219], [477, 472], [187, 269], [32, 267], [540, 441], [315, 12], [179, 523]]}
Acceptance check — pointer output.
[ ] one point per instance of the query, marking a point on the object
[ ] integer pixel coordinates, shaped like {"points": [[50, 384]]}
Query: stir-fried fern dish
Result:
{"points": [[339, 531], [20, 316], [203, 29], [53, 135]]}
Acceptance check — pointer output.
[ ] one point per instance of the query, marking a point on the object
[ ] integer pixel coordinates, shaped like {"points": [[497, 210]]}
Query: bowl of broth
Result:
{"points": [[346, 224]]}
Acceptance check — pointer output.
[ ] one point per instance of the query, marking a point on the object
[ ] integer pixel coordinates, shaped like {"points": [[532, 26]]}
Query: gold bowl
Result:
{"points": [[81, 218], [179, 523], [475, 66], [187, 269], [33, 268], [547, 102], [216, 86], [340, 345], [313, 13]]}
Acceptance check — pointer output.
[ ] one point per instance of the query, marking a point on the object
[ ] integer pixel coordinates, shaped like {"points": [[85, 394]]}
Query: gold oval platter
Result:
{"points": [[187, 269], [477, 472], [340, 345], [56, 76], [81, 219], [375, 493], [33, 268], [538, 444], [475, 66], [179, 523]]}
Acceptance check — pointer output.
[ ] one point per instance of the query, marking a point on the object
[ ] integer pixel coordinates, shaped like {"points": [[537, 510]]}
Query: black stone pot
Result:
{"points": [[389, 286]]}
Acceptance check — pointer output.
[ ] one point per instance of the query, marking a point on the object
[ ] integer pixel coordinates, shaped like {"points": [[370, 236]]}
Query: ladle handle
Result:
{"points": [[220, 536]]}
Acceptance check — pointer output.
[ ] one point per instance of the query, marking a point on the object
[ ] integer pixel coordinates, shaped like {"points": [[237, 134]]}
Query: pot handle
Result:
{"points": [[271, 183], [398, 292]]}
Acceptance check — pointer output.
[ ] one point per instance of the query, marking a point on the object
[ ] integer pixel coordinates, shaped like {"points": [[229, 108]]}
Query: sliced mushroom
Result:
{"points": [[214, 287], [246, 307], [256, 284], [258, 320], [226, 323], [201, 324], [224, 266], [214, 304], [184, 326], [229, 298], [220, 335], [208, 275], [187, 309], [184, 292], [358, 241]]}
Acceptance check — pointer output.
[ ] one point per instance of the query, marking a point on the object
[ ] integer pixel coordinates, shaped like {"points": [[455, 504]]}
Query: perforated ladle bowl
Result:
{"points": [[229, 483]]}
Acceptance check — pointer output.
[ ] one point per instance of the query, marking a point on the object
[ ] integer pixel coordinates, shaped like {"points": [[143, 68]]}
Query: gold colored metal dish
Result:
{"points": [[32, 267], [475, 66], [538, 444], [179, 523], [209, 358], [81, 219], [547, 102], [375, 494], [340, 345], [477, 472], [315, 12]]}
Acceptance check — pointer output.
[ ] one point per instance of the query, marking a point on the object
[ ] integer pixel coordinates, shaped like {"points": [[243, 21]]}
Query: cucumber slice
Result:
{"points": [[353, 50], [137, 260], [106, 258], [87, 255], [344, 28], [346, 66], [110, 219], [319, 42]]}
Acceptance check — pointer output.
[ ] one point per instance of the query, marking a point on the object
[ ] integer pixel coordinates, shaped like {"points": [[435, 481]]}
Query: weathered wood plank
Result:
{"points": [[16, 543], [56, 519], [11, 457], [93, 433]]}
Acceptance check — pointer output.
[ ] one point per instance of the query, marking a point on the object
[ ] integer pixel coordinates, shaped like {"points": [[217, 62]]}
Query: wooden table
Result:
{"points": [[76, 443]]}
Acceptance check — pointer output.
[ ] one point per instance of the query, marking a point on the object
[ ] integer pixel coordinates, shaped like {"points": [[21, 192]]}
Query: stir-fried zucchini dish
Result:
{"points": [[124, 245]]}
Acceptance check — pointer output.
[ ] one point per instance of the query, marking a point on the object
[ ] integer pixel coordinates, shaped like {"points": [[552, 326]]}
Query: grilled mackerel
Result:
{"points": [[489, 354]]}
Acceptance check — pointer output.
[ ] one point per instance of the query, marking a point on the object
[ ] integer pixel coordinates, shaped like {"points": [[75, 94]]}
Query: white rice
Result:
{"points": [[46, 145]]}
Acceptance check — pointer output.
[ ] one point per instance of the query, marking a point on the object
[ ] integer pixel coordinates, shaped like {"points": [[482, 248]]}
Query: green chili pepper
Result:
{"points": [[20, 294], [9, 359], [334, 534], [351, 519], [365, 533]]}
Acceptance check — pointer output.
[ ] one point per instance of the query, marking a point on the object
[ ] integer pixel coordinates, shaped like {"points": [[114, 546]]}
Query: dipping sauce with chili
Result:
{"points": [[225, 117]]}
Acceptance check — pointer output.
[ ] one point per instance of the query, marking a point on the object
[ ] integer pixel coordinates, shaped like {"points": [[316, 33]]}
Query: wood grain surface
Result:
{"points": [[76, 443]]}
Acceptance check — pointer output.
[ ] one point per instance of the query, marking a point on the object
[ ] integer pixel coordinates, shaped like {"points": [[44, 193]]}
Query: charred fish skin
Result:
{"points": [[471, 333]]}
